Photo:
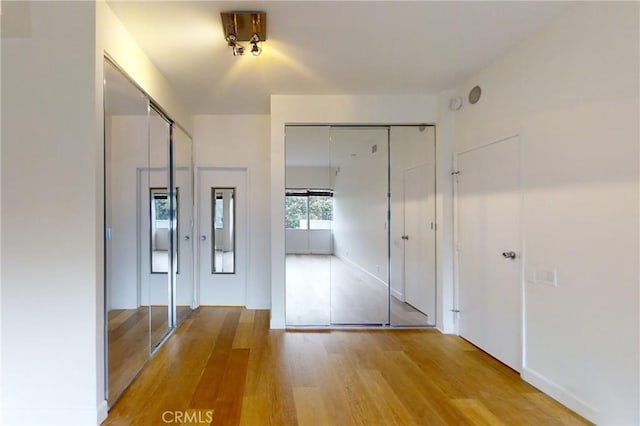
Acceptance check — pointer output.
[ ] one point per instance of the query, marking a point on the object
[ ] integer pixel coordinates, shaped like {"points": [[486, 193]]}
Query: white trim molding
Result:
{"points": [[562, 395]]}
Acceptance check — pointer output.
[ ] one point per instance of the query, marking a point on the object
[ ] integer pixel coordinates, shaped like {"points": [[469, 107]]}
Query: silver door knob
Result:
{"points": [[509, 254], [405, 237], [203, 237], [187, 237]]}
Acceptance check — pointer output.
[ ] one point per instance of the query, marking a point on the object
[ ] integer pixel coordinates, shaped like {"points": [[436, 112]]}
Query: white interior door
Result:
{"points": [[222, 286], [419, 239], [489, 249]]}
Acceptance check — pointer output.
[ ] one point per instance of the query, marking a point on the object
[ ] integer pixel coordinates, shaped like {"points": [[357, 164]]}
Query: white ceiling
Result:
{"points": [[327, 47]]}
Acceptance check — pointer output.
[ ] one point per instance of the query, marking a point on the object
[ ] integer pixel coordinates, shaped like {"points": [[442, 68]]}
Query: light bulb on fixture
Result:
{"points": [[255, 49], [232, 42]]}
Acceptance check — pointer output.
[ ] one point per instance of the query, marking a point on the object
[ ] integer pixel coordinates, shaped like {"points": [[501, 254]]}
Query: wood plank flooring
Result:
{"points": [[130, 342], [226, 363]]}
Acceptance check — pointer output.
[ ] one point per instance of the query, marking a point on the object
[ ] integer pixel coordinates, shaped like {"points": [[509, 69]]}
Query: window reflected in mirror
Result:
{"points": [[160, 236], [223, 230], [308, 209]]}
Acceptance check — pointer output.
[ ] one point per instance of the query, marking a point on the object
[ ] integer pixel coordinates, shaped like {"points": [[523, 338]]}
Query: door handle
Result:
{"points": [[405, 237], [509, 254], [203, 237], [187, 237]]}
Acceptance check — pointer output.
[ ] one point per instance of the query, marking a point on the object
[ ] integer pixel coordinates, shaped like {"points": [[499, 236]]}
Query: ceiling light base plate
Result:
{"points": [[244, 25]]}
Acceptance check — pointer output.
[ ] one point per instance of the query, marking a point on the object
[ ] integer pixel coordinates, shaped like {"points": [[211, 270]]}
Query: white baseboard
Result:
{"points": [[51, 416], [561, 395], [259, 306], [103, 411], [323, 252], [277, 324]]}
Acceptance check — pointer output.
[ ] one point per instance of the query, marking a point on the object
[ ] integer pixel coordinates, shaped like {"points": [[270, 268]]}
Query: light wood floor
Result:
{"points": [[226, 361], [130, 342], [323, 290]]}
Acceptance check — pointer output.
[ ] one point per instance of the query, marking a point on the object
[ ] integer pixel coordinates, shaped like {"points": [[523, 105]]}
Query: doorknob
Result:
{"points": [[509, 254], [187, 238], [405, 237], [203, 237]]}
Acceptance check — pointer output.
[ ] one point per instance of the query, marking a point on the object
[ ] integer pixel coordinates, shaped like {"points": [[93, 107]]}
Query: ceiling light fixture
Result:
{"points": [[244, 26]]}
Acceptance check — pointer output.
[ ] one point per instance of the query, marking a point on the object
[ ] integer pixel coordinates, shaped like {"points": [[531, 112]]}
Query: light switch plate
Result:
{"points": [[547, 276], [530, 275]]}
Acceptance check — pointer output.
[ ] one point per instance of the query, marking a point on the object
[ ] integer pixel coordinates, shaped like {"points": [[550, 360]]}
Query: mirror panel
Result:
{"points": [[184, 291], [159, 235], [359, 282], [158, 286], [308, 225], [413, 233], [223, 230], [126, 153]]}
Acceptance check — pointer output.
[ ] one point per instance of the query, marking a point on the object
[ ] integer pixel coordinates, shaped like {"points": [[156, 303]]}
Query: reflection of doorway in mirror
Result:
{"points": [[223, 212], [159, 229]]}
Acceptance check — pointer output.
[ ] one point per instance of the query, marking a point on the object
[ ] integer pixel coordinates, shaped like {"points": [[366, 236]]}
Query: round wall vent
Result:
{"points": [[474, 95]]}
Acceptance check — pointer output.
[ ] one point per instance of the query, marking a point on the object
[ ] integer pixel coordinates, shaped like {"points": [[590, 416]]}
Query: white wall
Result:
{"points": [[571, 93], [243, 140], [51, 290], [334, 109], [114, 40]]}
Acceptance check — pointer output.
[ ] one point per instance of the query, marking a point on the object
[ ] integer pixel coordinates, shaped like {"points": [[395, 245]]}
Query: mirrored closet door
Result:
{"points": [[360, 225], [148, 219]]}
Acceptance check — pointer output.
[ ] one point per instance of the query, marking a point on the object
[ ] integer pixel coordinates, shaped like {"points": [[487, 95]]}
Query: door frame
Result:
{"points": [[521, 246], [198, 169]]}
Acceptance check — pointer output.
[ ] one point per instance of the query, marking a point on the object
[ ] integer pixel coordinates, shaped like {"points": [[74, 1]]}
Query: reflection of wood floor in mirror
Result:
{"points": [[129, 342], [323, 289]]}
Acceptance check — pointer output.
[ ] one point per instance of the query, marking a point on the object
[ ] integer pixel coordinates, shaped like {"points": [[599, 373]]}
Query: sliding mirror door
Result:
{"points": [[182, 150], [308, 225], [359, 291], [158, 249], [126, 153], [148, 187], [360, 225], [413, 226]]}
